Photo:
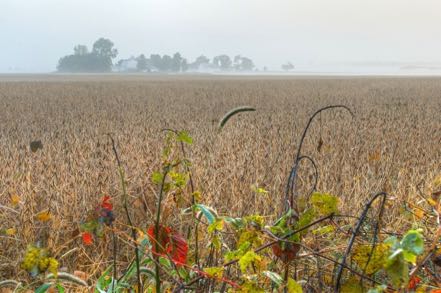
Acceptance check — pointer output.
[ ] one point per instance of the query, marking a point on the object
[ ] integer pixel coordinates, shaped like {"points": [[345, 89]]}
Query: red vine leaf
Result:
{"points": [[106, 204], [170, 243], [87, 238], [413, 283]]}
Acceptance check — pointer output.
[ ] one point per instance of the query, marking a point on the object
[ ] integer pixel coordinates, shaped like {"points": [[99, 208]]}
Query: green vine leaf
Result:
{"points": [[324, 203], [397, 269], [413, 242], [207, 212], [157, 178], [214, 272], [247, 259], [293, 287], [184, 137]]}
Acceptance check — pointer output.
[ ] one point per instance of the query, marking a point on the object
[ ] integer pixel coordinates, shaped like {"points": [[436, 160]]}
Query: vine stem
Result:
{"points": [[158, 219], [126, 209], [291, 184], [354, 235], [193, 200]]}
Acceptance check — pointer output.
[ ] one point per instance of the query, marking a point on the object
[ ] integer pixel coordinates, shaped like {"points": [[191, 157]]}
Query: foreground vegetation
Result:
{"points": [[142, 184]]}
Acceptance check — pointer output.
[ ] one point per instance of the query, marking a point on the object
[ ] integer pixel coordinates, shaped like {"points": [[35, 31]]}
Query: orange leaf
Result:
{"points": [[44, 216], [419, 213], [413, 282], [374, 156]]}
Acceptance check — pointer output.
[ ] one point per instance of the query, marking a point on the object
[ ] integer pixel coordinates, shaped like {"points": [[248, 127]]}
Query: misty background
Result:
{"points": [[315, 35]]}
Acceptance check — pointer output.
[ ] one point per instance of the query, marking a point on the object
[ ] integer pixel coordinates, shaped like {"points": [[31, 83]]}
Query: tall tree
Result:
{"points": [[184, 65], [223, 62], [156, 61], [247, 64], [142, 63], [201, 60], [198, 62], [167, 63], [104, 52], [243, 63], [237, 61], [176, 62], [104, 48]]}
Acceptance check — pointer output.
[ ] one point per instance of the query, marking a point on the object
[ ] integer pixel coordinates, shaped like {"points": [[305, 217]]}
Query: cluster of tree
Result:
{"points": [[177, 63], [166, 63], [98, 60]]}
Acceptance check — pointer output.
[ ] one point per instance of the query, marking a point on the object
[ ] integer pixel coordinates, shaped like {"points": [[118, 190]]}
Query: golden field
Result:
{"points": [[393, 144]]}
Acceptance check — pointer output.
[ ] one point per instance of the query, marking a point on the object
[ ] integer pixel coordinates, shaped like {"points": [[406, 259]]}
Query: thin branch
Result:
{"points": [[354, 235], [126, 209], [293, 175]]}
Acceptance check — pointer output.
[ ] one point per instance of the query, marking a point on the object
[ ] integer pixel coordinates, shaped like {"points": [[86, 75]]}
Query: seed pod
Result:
{"points": [[234, 112], [36, 145], [437, 260]]}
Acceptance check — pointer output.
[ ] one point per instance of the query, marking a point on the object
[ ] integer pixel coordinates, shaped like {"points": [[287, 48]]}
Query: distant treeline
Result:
{"points": [[100, 59], [177, 63]]}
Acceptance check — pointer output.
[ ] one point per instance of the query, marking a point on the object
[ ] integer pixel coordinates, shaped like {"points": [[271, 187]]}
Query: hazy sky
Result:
{"points": [[35, 33]]}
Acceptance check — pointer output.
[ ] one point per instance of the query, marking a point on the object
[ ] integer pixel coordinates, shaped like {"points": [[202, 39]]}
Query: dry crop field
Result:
{"points": [[392, 144]]}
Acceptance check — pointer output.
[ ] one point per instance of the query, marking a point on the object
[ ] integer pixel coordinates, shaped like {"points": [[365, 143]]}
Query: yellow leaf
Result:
{"points": [[217, 225], [324, 203], [11, 231], [432, 202], [251, 236], [214, 272], [293, 287], [216, 242], [15, 199], [328, 279], [419, 213], [197, 195], [375, 156], [352, 285], [437, 182], [44, 216], [324, 230], [140, 236], [259, 190], [377, 258], [247, 259]]}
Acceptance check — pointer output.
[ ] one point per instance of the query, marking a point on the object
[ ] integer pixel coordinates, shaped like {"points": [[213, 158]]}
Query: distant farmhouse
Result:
{"points": [[126, 65], [131, 65], [205, 67]]}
